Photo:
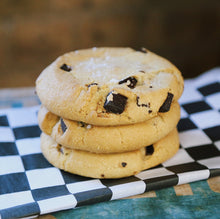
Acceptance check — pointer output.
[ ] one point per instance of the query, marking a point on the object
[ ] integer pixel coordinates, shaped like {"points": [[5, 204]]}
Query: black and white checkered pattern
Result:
{"points": [[30, 186]]}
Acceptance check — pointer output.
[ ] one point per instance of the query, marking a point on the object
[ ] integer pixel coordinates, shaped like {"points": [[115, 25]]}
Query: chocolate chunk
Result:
{"points": [[130, 81], [166, 105], [81, 124], [115, 103], [92, 84], [143, 104], [102, 175], [149, 150], [124, 164], [63, 125], [66, 67]]}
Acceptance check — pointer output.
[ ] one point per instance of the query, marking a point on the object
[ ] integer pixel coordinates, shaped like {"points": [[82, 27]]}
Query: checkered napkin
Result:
{"points": [[30, 186]]}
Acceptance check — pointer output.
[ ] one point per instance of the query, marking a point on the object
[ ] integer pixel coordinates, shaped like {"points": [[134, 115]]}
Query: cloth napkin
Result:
{"points": [[30, 186]]}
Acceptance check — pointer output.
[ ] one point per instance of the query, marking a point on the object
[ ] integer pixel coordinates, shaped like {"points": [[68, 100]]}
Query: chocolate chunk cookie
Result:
{"points": [[109, 86], [108, 139], [112, 165]]}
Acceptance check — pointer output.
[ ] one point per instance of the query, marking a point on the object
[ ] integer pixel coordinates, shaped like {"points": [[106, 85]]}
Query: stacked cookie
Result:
{"points": [[109, 112]]}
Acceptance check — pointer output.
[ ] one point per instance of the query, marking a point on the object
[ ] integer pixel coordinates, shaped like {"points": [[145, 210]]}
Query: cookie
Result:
{"points": [[108, 139], [109, 86], [115, 165]]}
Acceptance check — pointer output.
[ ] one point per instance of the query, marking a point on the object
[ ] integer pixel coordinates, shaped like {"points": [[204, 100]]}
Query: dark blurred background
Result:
{"points": [[34, 33]]}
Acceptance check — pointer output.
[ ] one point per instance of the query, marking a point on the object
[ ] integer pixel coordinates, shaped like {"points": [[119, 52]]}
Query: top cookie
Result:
{"points": [[109, 86]]}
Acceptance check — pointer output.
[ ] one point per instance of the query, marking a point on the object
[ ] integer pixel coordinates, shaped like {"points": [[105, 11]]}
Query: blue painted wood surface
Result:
{"points": [[204, 203]]}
